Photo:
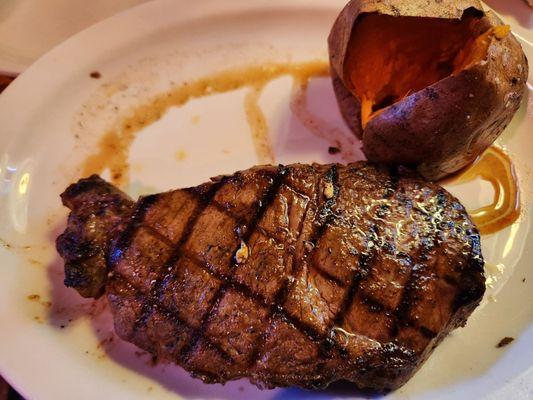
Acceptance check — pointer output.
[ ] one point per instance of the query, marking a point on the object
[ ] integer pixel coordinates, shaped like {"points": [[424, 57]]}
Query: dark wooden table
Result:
{"points": [[4, 81], [7, 392]]}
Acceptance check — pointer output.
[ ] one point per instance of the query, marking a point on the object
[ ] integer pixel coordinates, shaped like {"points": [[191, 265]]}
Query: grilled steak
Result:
{"points": [[299, 275]]}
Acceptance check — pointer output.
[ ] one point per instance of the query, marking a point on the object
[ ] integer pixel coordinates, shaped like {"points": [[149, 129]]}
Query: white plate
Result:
{"points": [[141, 52], [30, 28]]}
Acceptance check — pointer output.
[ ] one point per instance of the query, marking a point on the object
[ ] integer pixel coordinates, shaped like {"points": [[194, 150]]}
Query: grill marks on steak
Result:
{"points": [[358, 284]]}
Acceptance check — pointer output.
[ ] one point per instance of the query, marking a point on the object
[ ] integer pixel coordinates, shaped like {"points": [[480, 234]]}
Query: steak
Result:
{"points": [[291, 275]]}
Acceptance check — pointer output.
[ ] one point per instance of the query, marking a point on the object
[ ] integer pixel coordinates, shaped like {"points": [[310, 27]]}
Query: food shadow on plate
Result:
{"points": [[67, 305], [177, 380], [337, 390], [312, 126]]}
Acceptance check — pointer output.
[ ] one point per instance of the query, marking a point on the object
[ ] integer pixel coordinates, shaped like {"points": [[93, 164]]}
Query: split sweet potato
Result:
{"points": [[425, 83]]}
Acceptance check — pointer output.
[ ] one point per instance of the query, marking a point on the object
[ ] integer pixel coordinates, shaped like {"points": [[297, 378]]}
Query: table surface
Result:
{"points": [[4, 81], [7, 392]]}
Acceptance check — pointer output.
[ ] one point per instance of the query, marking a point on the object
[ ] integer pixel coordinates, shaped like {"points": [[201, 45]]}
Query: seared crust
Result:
{"points": [[100, 212], [445, 126], [351, 272]]}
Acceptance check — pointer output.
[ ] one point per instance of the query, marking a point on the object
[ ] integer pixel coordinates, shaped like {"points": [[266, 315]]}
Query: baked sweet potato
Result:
{"points": [[425, 83]]}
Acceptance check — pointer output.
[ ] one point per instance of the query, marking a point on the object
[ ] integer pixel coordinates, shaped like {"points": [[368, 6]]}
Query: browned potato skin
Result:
{"points": [[445, 126]]}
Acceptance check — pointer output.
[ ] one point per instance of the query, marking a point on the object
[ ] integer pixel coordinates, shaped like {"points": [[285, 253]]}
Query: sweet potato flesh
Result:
{"points": [[390, 57]]}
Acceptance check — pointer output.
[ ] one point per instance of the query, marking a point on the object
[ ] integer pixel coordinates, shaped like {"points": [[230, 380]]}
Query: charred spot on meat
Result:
{"points": [[292, 275], [101, 212]]}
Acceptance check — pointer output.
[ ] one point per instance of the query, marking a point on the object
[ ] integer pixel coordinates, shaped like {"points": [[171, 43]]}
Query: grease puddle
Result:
{"points": [[496, 167]]}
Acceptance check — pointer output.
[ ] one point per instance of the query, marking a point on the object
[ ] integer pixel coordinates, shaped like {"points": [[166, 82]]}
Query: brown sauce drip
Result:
{"points": [[494, 166], [258, 125], [113, 148]]}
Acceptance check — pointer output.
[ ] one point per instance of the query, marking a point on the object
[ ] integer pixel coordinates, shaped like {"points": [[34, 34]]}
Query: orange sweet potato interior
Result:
{"points": [[390, 58]]}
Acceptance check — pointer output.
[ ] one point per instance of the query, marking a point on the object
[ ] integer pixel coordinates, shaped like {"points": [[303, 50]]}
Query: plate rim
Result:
{"points": [[20, 82]]}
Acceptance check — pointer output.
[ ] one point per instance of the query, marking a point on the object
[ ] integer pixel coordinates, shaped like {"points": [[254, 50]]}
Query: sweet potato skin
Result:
{"points": [[445, 126]]}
